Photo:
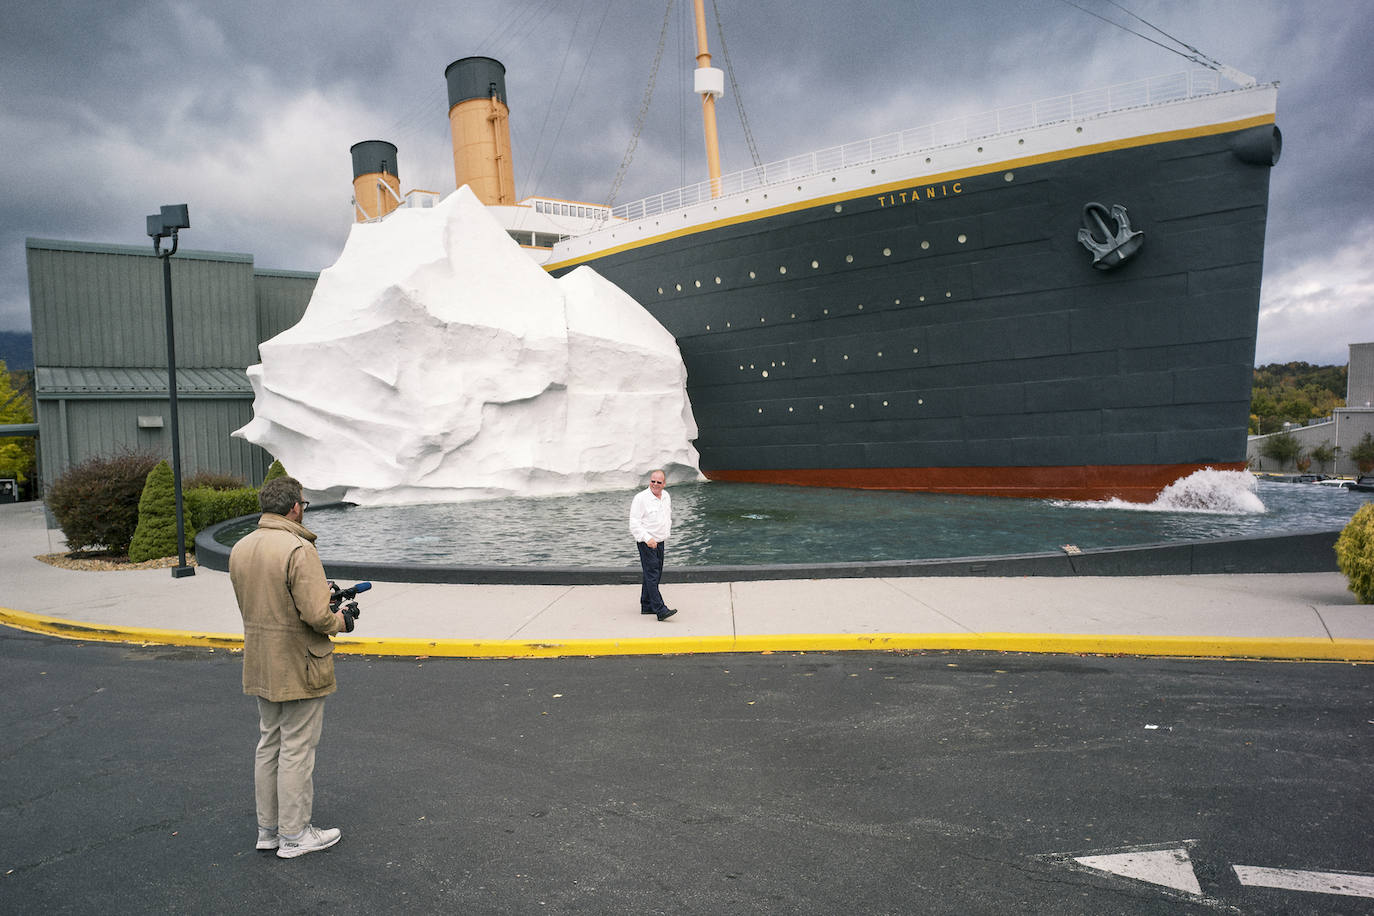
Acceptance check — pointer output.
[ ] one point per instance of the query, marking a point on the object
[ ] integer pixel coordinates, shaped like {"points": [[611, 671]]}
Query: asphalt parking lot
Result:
{"points": [[746, 783]]}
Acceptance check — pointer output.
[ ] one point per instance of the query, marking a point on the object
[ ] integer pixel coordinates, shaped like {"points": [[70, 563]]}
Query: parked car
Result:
{"points": [[1364, 483]]}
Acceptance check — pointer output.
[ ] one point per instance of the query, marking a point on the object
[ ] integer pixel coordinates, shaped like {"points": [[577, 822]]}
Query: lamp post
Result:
{"points": [[160, 226]]}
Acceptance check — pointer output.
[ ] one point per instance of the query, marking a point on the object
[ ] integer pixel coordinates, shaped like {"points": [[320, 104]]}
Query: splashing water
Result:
{"points": [[1207, 491]]}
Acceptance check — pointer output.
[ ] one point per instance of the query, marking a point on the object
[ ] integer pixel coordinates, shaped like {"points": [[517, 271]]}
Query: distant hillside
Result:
{"points": [[1294, 392], [16, 349]]}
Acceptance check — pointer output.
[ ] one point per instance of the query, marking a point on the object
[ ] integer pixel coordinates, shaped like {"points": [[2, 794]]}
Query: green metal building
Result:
{"points": [[100, 352]]}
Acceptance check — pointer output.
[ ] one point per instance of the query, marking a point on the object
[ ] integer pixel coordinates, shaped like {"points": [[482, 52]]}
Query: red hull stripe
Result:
{"points": [[1139, 483]]}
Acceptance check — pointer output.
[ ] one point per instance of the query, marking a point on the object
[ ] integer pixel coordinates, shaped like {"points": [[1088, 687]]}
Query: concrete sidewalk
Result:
{"points": [[1300, 615]]}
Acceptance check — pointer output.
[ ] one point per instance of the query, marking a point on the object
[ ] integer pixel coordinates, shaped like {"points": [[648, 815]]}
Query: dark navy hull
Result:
{"points": [[954, 335]]}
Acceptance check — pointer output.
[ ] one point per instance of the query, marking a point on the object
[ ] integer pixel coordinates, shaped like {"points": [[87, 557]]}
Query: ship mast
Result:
{"points": [[709, 83]]}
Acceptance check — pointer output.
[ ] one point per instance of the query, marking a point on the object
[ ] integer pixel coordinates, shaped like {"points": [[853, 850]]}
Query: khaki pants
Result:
{"points": [[284, 773]]}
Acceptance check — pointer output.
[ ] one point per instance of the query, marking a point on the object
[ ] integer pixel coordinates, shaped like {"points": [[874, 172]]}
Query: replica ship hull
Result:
{"points": [[930, 320]]}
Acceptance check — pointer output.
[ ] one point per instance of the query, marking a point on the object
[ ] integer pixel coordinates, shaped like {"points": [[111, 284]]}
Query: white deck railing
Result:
{"points": [[1085, 104]]}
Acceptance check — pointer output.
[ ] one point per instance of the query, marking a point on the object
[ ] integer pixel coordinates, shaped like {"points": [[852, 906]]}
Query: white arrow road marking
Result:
{"points": [[1317, 882], [1167, 867]]}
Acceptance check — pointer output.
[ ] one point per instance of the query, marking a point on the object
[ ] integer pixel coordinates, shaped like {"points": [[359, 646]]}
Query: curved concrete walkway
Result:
{"points": [[1291, 615]]}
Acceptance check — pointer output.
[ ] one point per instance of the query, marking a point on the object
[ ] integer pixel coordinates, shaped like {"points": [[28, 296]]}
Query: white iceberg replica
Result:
{"points": [[436, 362]]}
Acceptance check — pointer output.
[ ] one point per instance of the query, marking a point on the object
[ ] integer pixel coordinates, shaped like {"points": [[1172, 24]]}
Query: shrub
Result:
{"points": [[1363, 454], [274, 471], [213, 480], [1355, 553], [1282, 447], [206, 507], [156, 534], [96, 502]]}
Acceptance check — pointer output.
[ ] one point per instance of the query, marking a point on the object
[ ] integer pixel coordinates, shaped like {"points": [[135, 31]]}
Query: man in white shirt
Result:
{"points": [[651, 521]]}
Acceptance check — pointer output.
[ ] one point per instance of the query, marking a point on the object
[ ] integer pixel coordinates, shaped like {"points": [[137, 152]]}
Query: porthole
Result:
{"points": [[887, 252], [762, 320], [679, 287], [774, 364], [1078, 130], [765, 373], [784, 362], [839, 208], [794, 314], [849, 259], [717, 281], [782, 269], [962, 238], [708, 327], [923, 298], [915, 349], [727, 324], [660, 290], [815, 265], [751, 275], [980, 149], [698, 284], [925, 246], [789, 410], [920, 400], [825, 311], [751, 365], [896, 302], [861, 306], [760, 410], [851, 406], [820, 407], [846, 356], [1009, 176], [949, 295], [798, 187], [884, 403], [880, 354], [927, 160], [813, 359]]}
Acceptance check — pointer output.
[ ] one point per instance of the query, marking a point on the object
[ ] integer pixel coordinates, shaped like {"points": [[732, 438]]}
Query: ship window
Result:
{"points": [[751, 275], [887, 252], [1009, 176], [839, 208], [962, 238], [925, 246], [782, 269], [717, 281], [815, 265], [920, 400], [698, 284], [849, 259]]}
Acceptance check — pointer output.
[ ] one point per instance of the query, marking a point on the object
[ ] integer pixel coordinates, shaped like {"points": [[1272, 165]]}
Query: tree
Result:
{"points": [[16, 406], [1355, 553], [1324, 454], [1282, 447], [1363, 454], [274, 471]]}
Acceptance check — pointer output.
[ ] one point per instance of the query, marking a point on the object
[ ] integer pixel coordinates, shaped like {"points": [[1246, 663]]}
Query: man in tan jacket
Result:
{"points": [[288, 664]]}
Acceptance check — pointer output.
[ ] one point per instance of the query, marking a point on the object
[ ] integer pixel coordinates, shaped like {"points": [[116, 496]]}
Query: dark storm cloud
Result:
{"points": [[246, 111]]}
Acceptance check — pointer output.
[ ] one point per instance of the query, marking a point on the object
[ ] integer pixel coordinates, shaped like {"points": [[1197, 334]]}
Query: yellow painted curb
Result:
{"points": [[1290, 648]]}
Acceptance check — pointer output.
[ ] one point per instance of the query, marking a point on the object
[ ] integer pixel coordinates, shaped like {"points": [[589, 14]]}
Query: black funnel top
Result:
{"points": [[475, 78], [371, 156]]}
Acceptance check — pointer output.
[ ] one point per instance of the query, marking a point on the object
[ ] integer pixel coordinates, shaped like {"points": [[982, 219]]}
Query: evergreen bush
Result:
{"points": [[274, 471], [213, 480], [96, 502], [1355, 553], [156, 534], [206, 507]]}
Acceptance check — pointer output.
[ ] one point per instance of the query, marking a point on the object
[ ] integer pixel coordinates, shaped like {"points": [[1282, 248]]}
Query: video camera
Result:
{"points": [[344, 601]]}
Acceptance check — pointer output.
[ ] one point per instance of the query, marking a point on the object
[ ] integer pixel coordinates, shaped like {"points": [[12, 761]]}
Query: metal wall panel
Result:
{"points": [[77, 430], [102, 305], [281, 300]]}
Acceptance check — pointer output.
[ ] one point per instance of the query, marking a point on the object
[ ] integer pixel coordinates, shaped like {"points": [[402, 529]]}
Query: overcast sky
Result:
{"points": [[246, 110]]}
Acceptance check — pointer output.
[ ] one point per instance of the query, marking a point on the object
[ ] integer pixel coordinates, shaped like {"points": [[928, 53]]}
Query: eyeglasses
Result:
{"points": [[305, 504], [655, 483]]}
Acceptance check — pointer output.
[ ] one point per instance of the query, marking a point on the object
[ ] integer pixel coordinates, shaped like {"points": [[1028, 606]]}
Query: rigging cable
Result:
{"points": [[734, 90], [643, 108], [1195, 58]]}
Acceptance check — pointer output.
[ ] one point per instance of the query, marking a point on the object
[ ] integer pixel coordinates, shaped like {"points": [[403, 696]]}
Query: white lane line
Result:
{"points": [[1167, 867], [1316, 882]]}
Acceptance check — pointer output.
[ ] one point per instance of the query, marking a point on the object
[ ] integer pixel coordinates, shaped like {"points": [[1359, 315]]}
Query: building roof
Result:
{"points": [[78, 382]]}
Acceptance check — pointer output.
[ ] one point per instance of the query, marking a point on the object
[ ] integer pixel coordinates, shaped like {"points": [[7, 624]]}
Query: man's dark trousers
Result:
{"points": [[651, 562]]}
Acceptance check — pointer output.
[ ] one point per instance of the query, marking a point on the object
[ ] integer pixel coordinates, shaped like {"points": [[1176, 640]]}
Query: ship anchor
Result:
{"points": [[1110, 249]]}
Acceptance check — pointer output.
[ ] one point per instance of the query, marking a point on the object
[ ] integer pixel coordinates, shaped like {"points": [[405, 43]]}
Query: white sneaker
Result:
{"points": [[267, 838], [311, 839]]}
